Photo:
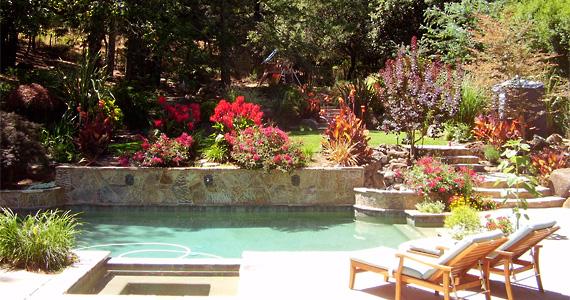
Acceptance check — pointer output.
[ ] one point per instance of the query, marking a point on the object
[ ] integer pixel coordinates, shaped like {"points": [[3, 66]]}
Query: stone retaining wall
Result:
{"points": [[207, 186], [25, 199]]}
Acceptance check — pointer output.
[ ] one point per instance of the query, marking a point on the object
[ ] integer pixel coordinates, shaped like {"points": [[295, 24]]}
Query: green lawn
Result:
{"points": [[312, 140]]}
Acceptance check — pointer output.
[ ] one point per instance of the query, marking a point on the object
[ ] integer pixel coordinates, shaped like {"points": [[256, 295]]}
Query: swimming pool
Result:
{"points": [[227, 232]]}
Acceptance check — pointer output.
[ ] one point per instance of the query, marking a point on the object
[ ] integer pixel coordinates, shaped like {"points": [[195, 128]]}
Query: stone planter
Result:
{"points": [[386, 199], [419, 219], [32, 199]]}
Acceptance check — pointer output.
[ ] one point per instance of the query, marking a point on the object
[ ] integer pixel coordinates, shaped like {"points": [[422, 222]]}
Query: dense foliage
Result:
{"points": [[164, 152]]}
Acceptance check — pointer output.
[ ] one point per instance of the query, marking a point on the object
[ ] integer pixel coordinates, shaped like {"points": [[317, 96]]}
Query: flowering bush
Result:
{"points": [[548, 160], [176, 118], [266, 148], [232, 117], [503, 223], [434, 179], [165, 152]]}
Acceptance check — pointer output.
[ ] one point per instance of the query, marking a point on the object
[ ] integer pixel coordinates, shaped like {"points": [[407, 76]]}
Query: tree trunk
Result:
{"points": [[135, 57], [111, 47], [8, 44], [95, 36], [224, 45], [352, 69], [257, 10]]}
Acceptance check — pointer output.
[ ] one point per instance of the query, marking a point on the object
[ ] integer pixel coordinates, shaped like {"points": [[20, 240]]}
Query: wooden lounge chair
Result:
{"points": [[444, 274], [506, 259]]}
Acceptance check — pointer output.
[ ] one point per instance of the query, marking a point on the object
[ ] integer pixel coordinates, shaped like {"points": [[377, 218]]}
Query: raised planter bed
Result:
{"points": [[35, 198], [207, 186]]}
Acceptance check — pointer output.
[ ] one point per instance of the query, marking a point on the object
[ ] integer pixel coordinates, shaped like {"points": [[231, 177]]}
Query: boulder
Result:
{"points": [[561, 182], [554, 139]]}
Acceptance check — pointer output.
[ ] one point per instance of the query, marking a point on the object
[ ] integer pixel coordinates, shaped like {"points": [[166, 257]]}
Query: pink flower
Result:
{"points": [[156, 160], [442, 190], [145, 145], [124, 161], [256, 157]]}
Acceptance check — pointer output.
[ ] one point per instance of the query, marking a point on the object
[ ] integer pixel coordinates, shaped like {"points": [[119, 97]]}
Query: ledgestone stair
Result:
{"points": [[495, 186]]}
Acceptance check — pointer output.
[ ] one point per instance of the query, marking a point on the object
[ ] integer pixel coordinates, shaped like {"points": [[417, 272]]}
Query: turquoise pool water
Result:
{"points": [[169, 233]]}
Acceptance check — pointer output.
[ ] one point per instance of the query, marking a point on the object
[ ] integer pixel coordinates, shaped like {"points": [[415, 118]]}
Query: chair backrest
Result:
{"points": [[525, 238], [466, 254]]}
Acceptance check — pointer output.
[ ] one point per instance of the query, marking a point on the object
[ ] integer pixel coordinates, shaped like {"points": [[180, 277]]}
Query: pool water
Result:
{"points": [[191, 233]]}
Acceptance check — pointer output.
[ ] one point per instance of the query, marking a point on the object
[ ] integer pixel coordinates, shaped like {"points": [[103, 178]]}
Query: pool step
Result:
{"points": [[542, 202], [174, 273]]}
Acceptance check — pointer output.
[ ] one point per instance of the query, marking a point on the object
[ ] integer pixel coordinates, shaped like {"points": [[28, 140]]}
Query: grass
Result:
{"points": [[311, 140]]}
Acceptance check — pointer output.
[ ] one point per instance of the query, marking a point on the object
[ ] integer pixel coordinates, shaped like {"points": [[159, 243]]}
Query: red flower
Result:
{"points": [[161, 100], [442, 190], [158, 123]]}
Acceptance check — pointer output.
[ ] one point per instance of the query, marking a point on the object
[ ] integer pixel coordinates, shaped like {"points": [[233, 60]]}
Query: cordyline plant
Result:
{"points": [[417, 94]]}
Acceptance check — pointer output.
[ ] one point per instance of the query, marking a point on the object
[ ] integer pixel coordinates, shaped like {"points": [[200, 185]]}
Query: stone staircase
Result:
{"points": [[494, 185]]}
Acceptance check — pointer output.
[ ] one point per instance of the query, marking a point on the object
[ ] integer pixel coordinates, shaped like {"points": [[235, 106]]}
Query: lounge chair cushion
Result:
{"points": [[385, 258], [427, 272], [521, 234]]}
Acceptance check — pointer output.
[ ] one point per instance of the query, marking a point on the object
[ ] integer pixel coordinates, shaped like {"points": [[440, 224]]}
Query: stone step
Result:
{"points": [[542, 202], [511, 193], [496, 180], [460, 159], [474, 167], [443, 150]]}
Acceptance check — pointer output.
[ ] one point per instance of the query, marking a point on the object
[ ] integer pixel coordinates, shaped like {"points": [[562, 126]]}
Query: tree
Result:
{"points": [[417, 94]]}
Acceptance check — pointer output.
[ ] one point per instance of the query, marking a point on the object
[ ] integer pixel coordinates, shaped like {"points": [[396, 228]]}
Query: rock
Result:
{"points": [[383, 159], [561, 182], [538, 142], [554, 139], [310, 123], [566, 203], [398, 166]]}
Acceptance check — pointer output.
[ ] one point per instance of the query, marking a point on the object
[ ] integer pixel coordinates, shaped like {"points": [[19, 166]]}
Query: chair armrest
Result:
{"points": [[419, 259]]}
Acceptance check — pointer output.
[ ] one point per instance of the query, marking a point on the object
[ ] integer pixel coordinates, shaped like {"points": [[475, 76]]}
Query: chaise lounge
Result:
{"points": [[443, 274]]}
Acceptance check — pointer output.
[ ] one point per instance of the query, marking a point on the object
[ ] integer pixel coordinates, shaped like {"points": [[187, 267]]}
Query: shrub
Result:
{"points": [[463, 221], [176, 118], [346, 140], [434, 179], [360, 97], [431, 207], [38, 242], [491, 154], [266, 148], [135, 104], [417, 94], [474, 102], [490, 129], [34, 101], [230, 119], [458, 132], [297, 102], [502, 223], [94, 135], [548, 160], [20, 148], [58, 141], [164, 152]]}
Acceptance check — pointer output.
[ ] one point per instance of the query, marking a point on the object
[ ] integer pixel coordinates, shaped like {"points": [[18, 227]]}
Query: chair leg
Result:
{"points": [[446, 286], [507, 273], [398, 288], [537, 269], [352, 275], [486, 274]]}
